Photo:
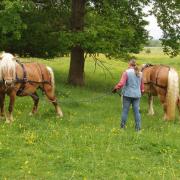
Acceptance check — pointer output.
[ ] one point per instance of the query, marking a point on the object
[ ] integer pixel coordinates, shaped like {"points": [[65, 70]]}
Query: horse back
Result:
{"points": [[155, 79], [159, 75], [34, 71]]}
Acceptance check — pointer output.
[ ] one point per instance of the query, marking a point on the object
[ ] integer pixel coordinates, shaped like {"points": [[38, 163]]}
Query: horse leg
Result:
{"points": [[48, 89], [12, 96], [30, 90], [150, 103], [178, 105], [2, 99], [162, 99], [35, 98]]}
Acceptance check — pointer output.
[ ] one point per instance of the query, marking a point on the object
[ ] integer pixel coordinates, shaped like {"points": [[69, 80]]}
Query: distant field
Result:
{"points": [[87, 142], [157, 57], [154, 50]]}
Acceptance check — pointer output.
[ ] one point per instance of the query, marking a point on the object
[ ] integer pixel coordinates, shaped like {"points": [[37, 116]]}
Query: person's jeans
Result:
{"points": [[127, 101]]}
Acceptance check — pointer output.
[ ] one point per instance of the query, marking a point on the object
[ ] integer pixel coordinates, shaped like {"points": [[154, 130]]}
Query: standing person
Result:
{"points": [[132, 87]]}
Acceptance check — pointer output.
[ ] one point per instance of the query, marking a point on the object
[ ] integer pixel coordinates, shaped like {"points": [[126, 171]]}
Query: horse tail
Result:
{"points": [[172, 93], [52, 78]]}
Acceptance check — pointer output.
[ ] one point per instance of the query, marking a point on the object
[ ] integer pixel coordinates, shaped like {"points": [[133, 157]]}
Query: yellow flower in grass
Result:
{"points": [[26, 162], [30, 137], [134, 158], [115, 131]]}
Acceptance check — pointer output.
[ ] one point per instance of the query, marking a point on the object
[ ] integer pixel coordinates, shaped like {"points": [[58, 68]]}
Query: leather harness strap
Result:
{"points": [[25, 80], [24, 74], [152, 83], [156, 83]]}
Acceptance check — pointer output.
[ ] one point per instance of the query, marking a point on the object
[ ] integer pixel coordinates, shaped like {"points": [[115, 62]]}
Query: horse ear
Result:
{"points": [[14, 59], [2, 54]]}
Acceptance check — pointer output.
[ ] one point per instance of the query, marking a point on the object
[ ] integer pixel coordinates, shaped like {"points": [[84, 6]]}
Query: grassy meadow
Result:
{"points": [[87, 142]]}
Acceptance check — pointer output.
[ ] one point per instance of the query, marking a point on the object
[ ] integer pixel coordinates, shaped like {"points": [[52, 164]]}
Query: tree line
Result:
{"points": [[49, 28], [154, 43]]}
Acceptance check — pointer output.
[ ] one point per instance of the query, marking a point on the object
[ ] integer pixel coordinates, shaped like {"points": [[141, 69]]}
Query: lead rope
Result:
{"points": [[86, 100]]}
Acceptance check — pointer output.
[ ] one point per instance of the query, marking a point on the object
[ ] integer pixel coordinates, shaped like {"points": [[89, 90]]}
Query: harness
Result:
{"points": [[156, 81], [146, 65], [25, 80]]}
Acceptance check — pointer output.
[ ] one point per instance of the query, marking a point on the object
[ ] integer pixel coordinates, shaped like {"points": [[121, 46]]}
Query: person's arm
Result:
{"points": [[121, 83]]}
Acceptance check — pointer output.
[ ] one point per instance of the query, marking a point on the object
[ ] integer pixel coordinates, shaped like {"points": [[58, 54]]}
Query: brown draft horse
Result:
{"points": [[162, 81], [24, 80]]}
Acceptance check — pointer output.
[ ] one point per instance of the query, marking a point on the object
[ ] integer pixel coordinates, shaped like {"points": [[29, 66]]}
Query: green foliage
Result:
{"points": [[111, 27], [168, 16], [11, 24], [87, 142], [45, 24], [114, 28]]}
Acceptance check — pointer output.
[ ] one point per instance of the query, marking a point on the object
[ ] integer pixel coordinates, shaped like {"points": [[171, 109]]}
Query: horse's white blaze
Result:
{"points": [[7, 64], [172, 93]]}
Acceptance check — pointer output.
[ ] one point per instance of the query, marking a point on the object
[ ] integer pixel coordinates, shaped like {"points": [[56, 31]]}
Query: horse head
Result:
{"points": [[7, 68]]}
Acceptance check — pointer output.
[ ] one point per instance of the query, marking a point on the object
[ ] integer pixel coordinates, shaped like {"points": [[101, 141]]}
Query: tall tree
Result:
{"points": [[47, 28], [34, 28], [76, 70], [11, 24], [114, 28], [168, 17], [111, 27]]}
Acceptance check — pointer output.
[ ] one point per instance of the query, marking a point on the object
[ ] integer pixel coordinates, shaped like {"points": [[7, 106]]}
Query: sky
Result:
{"points": [[153, 28]]}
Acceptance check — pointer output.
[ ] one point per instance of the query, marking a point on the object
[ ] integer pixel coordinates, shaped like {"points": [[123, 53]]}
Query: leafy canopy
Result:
{"points": [[112, 27]]}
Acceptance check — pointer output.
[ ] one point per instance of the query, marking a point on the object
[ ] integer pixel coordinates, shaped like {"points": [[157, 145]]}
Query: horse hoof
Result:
{"points": [[60, 115], [7, 121], [2, 117], [150, 114], [30, 114]]}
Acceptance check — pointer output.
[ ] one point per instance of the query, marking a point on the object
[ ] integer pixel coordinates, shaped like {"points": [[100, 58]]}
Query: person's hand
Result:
{"points": [[114, 90]]}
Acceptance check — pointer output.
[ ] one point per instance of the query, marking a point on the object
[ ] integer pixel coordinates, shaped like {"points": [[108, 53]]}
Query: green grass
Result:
{"points": [[87, 143]]}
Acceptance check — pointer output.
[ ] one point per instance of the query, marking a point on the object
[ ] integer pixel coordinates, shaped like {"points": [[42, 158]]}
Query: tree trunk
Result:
{"points": [[76, 70]]}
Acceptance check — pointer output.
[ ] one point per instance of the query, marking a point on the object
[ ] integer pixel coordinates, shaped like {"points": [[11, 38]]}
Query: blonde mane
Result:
{"points": [[7, 64]]}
